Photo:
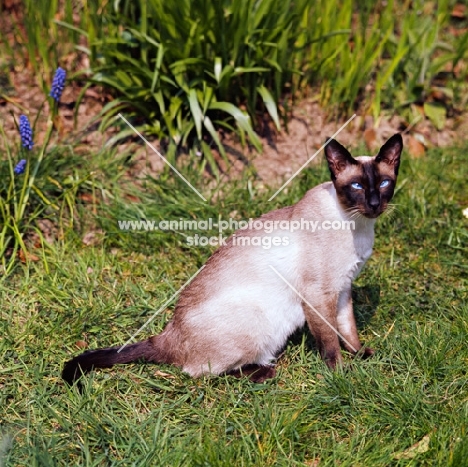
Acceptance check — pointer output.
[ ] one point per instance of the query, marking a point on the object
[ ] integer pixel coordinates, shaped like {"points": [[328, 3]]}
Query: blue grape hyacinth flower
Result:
{"points": [[26, 132], [58, 83], [20, 167]]}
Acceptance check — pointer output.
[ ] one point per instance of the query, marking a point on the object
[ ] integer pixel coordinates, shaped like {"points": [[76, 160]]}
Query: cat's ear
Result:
{"points": [[338, 157], [390, 152]]}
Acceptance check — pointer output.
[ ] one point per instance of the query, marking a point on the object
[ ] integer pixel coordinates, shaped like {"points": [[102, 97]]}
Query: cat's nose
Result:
{"points": [[374, 202]]}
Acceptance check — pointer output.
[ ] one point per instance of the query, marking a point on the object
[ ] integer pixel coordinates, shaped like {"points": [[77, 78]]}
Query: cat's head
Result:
{"points": [[365, 184]]}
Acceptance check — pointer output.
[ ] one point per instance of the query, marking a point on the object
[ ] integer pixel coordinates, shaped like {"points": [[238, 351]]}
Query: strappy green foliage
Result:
{"points": [[185, 71]]}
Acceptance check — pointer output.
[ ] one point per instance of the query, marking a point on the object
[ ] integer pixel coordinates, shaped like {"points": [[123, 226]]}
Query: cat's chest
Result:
{"points": [[363, 245], [360, 251]]}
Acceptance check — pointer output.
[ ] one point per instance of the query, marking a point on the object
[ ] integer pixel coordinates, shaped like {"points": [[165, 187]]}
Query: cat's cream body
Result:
{"points": [[238, 312], [255, 305]]}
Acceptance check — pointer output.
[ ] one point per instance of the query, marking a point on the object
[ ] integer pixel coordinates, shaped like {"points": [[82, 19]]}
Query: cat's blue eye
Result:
{"points": [[385, 183], [356, 186]]}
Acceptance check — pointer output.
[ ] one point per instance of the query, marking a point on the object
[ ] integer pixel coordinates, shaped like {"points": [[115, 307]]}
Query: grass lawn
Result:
{"points": [[406, 406]]}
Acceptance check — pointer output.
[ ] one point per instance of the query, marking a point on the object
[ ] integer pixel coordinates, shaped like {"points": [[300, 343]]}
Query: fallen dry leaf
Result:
{"points": [[25, 256], [415, 147], [440, 94], [93, 237], [87, 198], [313, 462], [133, 199], [81, 344], [415, 449], [22, 256], [48, 229], [163, 374]]}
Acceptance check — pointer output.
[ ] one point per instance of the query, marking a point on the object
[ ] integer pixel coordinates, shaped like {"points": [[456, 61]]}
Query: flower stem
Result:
{"points": [[26, 191]]}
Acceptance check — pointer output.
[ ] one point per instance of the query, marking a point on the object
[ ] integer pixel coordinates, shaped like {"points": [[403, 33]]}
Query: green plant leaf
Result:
{"points": [[211, 129], [197, 113], [218, 67], [436, 113], [242, 120], [210, 159], [270, 105]]}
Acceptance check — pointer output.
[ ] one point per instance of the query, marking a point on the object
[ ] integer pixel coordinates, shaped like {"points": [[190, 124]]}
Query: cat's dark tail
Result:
{"points": [[150, 350]]}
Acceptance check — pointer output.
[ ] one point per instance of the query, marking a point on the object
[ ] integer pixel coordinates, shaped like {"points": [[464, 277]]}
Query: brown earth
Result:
{"points": [[284, 152]]}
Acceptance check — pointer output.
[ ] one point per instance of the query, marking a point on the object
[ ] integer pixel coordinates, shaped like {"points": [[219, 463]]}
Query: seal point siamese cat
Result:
{"points": [[237, 314]]}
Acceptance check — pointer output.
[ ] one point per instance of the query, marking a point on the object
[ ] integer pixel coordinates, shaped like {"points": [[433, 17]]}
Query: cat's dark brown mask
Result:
{"points": [[365, 184]]}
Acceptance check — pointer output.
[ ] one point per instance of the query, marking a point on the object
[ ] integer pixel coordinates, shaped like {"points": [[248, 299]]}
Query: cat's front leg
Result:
{"points": [[322, 321], [347, 326]]}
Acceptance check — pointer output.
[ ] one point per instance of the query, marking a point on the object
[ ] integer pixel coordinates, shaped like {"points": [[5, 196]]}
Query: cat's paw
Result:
{"points": [[263, 373], [332, 359], [256, 373], [365, 352]]}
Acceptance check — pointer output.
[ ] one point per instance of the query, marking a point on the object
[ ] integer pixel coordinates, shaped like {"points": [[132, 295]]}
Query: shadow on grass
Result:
{"points": [[366, 300]]}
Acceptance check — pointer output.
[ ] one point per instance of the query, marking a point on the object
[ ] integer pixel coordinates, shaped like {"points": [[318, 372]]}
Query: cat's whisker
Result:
{"points": [[356, 216], [389, 212], [395, 209], [394, 205], [353, 213]]}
